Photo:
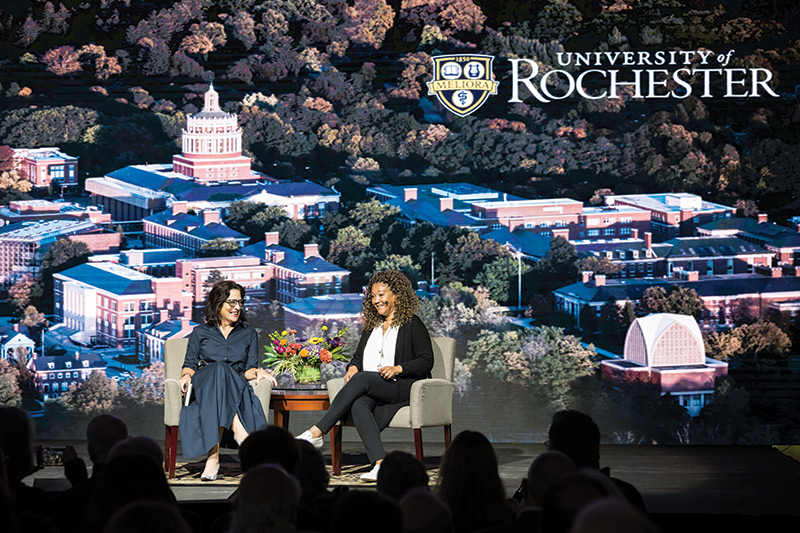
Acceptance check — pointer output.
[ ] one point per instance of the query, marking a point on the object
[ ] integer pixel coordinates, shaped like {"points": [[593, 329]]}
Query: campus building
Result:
{"points": [[47, 166], [150, 340], [53, 375], [37, 210], [332, 310], [294, 275], [175, 228], [667, 350], [24, 244], [246, 270], [15, 340], [782, 241], [209, 174], [673, 214], [479, 208], [109, 303]]}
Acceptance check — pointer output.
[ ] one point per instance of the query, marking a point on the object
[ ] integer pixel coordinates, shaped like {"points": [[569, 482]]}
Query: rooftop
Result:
{"points": [[44, 230], [109, 277], [293, 260], [329, 306]]}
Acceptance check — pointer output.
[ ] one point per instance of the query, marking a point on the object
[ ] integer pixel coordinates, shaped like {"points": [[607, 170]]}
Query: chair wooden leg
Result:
{"points": [[166, 448], [336, 450], [446, 437], [173, 450], [418, 443]]}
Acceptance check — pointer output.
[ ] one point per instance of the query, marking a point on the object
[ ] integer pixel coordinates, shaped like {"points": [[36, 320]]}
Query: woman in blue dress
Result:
{"points": [[221, 357]]}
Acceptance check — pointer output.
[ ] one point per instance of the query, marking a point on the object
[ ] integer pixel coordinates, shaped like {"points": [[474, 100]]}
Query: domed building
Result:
{"points": [[212, 145], [667, 350]]}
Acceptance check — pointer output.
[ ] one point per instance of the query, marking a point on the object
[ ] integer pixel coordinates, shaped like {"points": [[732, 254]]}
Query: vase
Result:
{"points": [[308, 374]]}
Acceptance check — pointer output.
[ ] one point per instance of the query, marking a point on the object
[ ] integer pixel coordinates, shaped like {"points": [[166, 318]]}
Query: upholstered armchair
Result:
{"points": [[430, 404], [174, 353]]}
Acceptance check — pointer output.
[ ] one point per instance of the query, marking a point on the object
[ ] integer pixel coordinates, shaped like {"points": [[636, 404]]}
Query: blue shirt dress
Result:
{"points": [[219, 387]]}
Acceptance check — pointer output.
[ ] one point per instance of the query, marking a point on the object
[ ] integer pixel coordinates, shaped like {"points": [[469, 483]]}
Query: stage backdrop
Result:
{"points": [[493, 151]]}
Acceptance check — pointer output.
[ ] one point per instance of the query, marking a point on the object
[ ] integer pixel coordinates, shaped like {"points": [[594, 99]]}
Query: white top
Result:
{"points": [[380, 348]]}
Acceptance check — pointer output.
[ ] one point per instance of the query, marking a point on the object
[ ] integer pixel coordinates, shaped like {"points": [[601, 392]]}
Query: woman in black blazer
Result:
{"points": [[394, 351]]}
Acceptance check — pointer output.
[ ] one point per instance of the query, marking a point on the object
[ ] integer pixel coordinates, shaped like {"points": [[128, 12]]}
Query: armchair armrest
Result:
{"points": [[431, 403], [173, 401], [263, 391], [334, 386]]}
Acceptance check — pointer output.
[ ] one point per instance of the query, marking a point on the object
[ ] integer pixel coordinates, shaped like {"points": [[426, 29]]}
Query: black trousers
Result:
{"points": [[367, 396]]}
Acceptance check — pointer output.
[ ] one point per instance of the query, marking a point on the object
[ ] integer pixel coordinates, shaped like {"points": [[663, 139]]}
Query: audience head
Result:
{"points": [[102, 433], [424, 512], [545, 470], [141, 445], [266, 501], [16, 440], [576, 435], [126, 479], [470, 483], [310, 471], [400, 472], [565, 499], [271, 444], [361, 511], [152, 517], [612, 515]]}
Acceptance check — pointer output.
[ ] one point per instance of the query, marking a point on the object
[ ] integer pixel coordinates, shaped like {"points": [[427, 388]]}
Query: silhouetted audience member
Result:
{"points": [[470, 484], [102, 433], [272, 444], [16, 440], [128, 478], [567, 497], [612, 515], [139, 445], [577, 435], [399, 473], [314, 478], [424, 512], [266, 501], [147, 517], [361, 511]]}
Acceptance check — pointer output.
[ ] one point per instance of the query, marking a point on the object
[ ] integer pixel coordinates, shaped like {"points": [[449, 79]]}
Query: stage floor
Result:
{"points": [[711, 480]]}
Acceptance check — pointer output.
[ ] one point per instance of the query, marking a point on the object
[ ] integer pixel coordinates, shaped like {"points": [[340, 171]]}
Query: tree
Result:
{"points": [[654, 300], [587, 318], [32, 318], [684, 301], [62, 60], [762, 342], [349, 241], [94, 396], [543, 360], [598, 266], [294, 233], [468, 255], [23, 291], [219, 247], [147, 389], [402, 263], [214, 277], [63, 254], [501, 278], [372, 215], [613, 325], [10, 393]]}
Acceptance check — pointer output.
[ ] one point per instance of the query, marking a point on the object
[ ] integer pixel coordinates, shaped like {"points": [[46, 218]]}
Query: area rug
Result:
{"points": [[230, 473]]}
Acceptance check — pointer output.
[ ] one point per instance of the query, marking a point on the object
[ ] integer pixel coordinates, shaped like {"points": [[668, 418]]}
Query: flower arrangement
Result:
{"points": [[302, 357]]}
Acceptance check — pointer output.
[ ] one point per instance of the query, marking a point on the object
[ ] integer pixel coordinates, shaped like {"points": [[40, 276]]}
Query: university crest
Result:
{"points": [[462, 82]]}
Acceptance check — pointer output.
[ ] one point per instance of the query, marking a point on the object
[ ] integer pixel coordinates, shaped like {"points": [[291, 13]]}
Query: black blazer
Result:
{"points": [[413, 351]]}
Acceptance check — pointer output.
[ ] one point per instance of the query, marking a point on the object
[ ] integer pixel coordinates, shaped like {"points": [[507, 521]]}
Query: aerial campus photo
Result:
{"points": [[599, 201]]}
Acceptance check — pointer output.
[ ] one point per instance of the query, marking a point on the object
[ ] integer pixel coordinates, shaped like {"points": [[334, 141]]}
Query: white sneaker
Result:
{"points": [[372, 475], [306, 435]]}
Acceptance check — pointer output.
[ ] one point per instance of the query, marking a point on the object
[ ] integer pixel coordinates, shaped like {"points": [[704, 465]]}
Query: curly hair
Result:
{"points": [[216, 298], [406, 306]]}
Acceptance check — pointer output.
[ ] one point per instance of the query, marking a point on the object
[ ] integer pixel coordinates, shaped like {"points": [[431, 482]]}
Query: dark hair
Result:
{"points": [[271, 444], [399, 473], [361, 511], [16, 440], [470, 483], [216, 299], [407, 302], [576, 435], [563, 501], [310, 471]]}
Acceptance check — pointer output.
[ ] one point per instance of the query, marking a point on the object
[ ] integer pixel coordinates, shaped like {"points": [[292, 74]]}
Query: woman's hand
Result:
{"points": [[351, 371], [390, 372], [264, 374], [183, 383]]}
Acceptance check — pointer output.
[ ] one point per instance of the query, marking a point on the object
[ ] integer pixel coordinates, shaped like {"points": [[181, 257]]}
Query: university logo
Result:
{"points": [[462, 83]]}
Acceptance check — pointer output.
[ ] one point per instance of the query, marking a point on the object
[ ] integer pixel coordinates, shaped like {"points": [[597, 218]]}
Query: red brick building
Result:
{"points": [[47, 166]]}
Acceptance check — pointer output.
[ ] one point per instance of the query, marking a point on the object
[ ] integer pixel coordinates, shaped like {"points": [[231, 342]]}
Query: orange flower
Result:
{"points": [[325, 356], [303, 353]]}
